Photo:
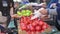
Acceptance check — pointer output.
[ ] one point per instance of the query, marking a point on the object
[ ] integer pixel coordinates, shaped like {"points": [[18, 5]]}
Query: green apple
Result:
{"points": [[28, 12], [24, 12], [19, 13]]}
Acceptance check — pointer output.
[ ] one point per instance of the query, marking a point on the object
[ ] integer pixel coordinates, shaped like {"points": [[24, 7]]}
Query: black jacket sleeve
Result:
{"points": [[1, 5]]}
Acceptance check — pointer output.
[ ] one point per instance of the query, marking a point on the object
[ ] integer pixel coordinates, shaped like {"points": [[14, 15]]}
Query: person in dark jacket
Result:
{"points": [[55, 11], [45, 1], [0, 5], [5, 6]]}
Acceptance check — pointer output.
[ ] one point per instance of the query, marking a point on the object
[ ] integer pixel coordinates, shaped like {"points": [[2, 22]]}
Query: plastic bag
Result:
{"points": [[11, 24]]}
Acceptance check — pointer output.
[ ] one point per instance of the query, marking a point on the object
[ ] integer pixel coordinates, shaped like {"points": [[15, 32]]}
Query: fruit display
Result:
{"points": [[34, 26], [19, 13], [24, 13]]}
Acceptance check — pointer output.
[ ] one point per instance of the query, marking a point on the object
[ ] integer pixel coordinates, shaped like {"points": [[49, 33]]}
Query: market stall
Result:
{"points": [[26, 25]]}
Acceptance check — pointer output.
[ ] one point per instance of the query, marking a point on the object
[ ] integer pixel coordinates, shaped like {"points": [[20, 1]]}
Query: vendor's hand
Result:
{"points": [[43, 11], [45, 18], [14, 16]]}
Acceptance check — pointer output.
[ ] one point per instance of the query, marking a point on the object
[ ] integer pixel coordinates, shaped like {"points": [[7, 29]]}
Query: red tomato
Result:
{"points": [[21, 20], [22, 17], [31, 28], [41, 23], [23, 26], [44, 27], [28, 27], [28, 20], [42, 31], [37, 22], [38, 28], [34, 24], [31, 22]]}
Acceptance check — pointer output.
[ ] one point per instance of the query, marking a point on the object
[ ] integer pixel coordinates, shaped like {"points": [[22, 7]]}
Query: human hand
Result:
{"points": [[43, 11], [45, 18], [14, 16]]}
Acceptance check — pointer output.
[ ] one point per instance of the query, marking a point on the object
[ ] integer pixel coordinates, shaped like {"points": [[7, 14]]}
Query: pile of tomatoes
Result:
{"points": [[32, 25]]}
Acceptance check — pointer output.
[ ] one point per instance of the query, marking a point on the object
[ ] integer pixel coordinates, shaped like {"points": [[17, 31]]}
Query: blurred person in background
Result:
{"points": [[16, 8], [1, 5], [42, 1], [32, 0], [5, 6], [24, 1], [45, 1], [55, 11]]}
